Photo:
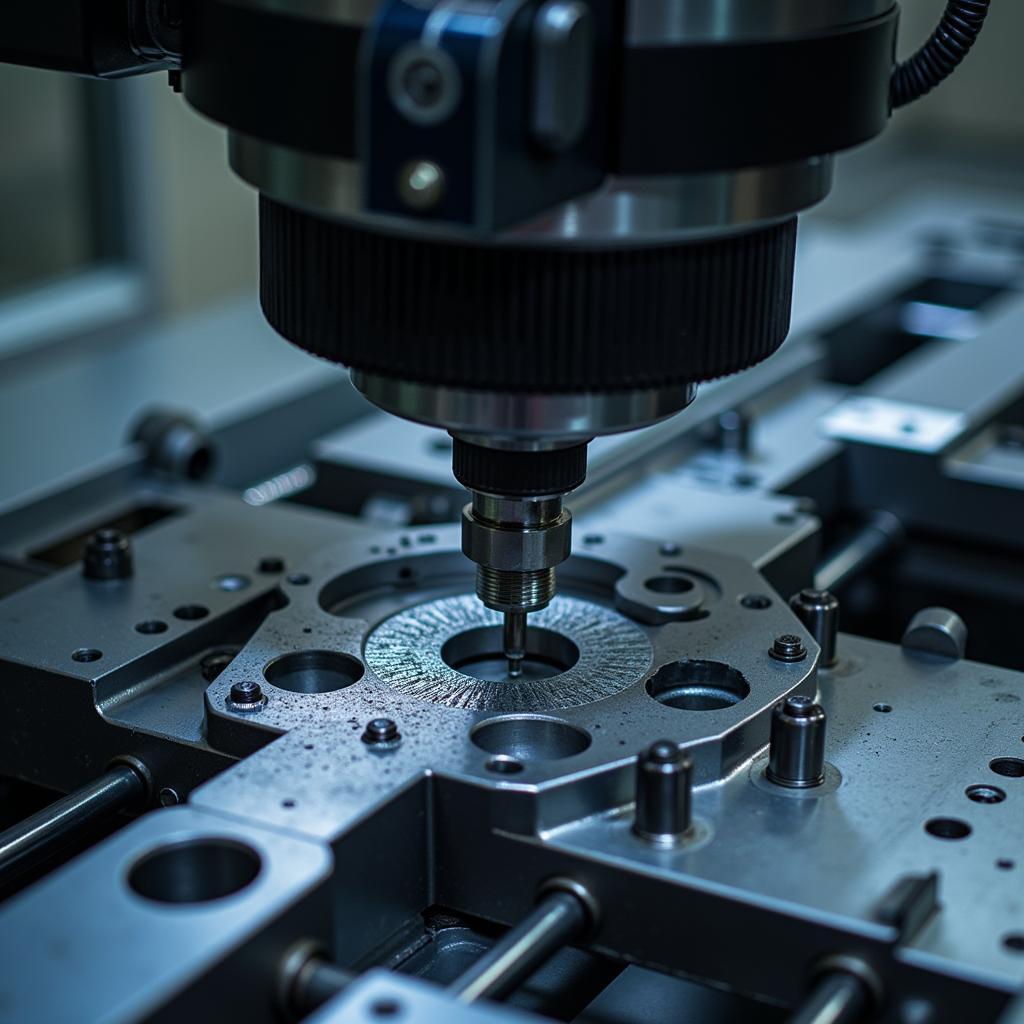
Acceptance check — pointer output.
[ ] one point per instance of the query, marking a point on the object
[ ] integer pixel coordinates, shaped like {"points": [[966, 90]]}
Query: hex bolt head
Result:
{"points": [[663, 793], [796, 757], [107, 556], [818, 610], [246, 696], [788, 647], [381, 730]]}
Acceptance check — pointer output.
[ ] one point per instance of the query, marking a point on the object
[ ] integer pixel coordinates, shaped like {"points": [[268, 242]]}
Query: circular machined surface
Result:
{"points": [[524, 415], [409, 650], [197, 871], [698, 685], [525, 738], [313, 671]]}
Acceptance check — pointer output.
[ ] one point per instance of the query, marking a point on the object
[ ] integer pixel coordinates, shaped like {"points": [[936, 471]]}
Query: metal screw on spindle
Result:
{"points": [[663, 793], [107, 556], [796, 757], [818, 610], [381, 730], [788, 647]]}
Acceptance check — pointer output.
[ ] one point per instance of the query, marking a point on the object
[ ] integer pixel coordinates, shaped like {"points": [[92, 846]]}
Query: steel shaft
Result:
{"points": [[62, 821]]}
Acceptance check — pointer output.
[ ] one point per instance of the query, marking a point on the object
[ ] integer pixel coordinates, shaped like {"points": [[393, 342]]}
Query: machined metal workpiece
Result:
{"points": [[393, 630]]}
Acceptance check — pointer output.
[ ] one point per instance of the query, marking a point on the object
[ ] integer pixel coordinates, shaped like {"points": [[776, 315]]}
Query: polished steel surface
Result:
{"points": [[523, 416], [671, 22], [623, 211]]}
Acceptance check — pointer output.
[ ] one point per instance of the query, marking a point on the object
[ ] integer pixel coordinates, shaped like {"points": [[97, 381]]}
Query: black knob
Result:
{"points": [[797, 755], [663, 798]]}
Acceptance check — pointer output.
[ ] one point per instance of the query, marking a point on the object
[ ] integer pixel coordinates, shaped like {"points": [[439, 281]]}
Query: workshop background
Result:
{"points": [[118, 213]]}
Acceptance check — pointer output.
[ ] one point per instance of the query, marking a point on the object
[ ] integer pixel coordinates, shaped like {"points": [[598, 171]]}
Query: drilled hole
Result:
{"points": [[669, 584], [314, 671], [151, 627], [986, 794], [882, 707], [478, 653], [191, 612], [698, 686], [1014, 942], [947, 828], [195, 872], [530, 739]]}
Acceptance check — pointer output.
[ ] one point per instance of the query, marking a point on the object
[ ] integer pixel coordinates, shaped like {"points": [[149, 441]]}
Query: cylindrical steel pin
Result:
{"points": [[797, 755], [663, 797]]}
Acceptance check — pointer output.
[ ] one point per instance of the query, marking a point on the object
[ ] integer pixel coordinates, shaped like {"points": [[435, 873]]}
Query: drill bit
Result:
{"points": [[515, 642]]}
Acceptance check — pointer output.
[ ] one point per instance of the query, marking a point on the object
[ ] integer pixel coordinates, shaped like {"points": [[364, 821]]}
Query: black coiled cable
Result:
{"points": [[940, 56]]}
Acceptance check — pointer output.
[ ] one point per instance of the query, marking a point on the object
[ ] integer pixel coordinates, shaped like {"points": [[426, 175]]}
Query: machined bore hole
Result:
{"points": [[195, 872], [191, 612], [698, 685], [479, 653], [986, 794], [524, 738], [669, 584], [314, 671], [947, 828], [1008, 767]]}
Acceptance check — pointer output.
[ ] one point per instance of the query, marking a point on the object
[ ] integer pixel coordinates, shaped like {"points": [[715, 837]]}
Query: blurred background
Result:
{"points": [[119, 215]]}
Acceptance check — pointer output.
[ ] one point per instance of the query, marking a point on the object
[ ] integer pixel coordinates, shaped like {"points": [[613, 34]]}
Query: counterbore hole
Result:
{"points": [[947, 828], [756, 602], [314, 671], [986, 794], [195, 872], [669, 584], [479, 653], [1008, 767], [882, 707], [524, 738], [86, 654], [504, 765], [191, 612], [698, 686], [1014, 942], [151, 627]]}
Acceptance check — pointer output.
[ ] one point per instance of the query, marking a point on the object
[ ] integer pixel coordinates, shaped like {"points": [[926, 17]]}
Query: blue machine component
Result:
{"points": [[459, 98]]}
